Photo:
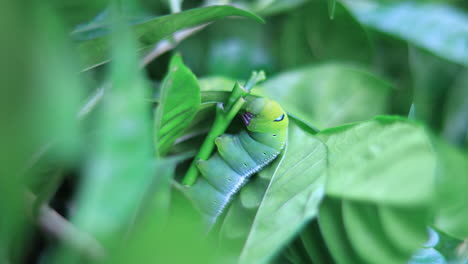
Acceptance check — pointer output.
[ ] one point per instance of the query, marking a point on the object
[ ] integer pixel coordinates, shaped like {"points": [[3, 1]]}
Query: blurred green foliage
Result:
{"points": [[103, 139]]}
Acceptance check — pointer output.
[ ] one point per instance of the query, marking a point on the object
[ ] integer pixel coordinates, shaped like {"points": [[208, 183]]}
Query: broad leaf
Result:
{"points": [[387, 160], [292, 197], [96, 51], [178, 104], [330, 94], [436, 27]]}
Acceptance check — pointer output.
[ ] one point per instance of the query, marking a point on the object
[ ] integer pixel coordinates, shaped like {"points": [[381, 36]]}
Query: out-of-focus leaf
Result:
{"points": [[149, 242], [119, 170], [367, 237], [18, 116], [292, 197], [432, 78], [178, 104], [334, 233], [452, 195], [436, 27], [308, 35], [455, 127], [235, 49], [330, 94], [96, 50], [387, 160]]}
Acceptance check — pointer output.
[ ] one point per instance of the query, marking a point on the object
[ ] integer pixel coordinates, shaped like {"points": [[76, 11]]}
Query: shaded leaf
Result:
{"points": [[178, 104], [96, 50], [308, 35]]}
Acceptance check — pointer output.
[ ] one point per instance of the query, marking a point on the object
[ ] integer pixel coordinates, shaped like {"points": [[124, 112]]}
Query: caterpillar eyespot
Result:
{"points": [[239, 156], [279, 118]]}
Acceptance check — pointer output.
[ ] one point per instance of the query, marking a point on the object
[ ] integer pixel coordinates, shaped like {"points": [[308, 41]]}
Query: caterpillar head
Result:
{"points": [[264, 115]]}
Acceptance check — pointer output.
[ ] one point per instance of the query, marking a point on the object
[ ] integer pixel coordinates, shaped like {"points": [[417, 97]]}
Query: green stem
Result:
{"points": [[255, 78], [221, 123]]}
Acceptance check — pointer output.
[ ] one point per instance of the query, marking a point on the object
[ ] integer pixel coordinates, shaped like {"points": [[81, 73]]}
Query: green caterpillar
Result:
{"points": [[239, 156]]}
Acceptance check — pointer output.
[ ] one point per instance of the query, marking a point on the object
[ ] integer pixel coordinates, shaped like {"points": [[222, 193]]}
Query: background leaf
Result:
{"points": [[330, 94], [435, 27]]}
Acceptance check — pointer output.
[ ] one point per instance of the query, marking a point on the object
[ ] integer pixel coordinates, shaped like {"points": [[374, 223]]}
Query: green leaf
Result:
{"points": [[96, 51], [367, 236], [329, 94], [331, 224], [387, 160], [436, 27], [114, 180], [452, 195], [292, 197], [178, 104]]}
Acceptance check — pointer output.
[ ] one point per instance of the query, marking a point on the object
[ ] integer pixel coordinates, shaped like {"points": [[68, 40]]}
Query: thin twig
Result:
{"points": [[92, 102], [167, 45], [60, 228]]}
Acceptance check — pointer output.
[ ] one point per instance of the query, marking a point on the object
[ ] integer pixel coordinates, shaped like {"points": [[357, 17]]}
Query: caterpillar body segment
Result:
{"points": [[239, 156]]}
